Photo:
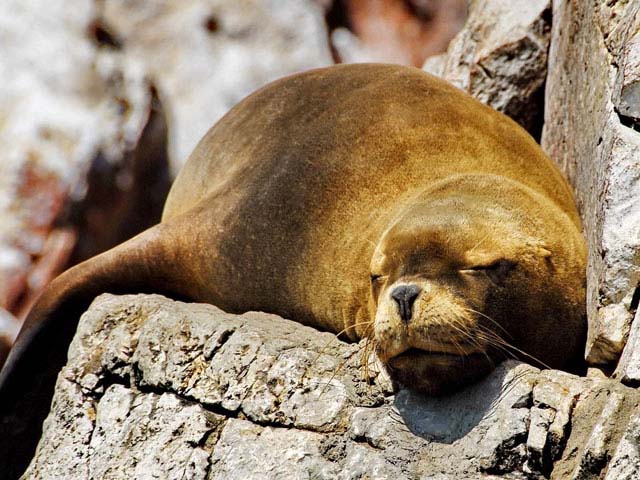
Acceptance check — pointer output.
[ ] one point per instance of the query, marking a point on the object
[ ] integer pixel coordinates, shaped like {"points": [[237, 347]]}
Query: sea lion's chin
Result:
{"points": [[437, 373]]}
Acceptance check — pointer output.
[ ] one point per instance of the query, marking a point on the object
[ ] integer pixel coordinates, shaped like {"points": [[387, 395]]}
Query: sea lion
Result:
{"points": [[373, 200]]}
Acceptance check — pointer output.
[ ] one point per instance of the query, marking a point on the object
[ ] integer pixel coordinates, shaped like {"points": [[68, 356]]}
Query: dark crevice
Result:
{"points": [[547, 17], [123, 198], [337, 16], [224, 337], [212, 24], [507, 457], [101, 35], [630, 382], [363, 439], [628, 121], [635, 299], [537, 122], [484, 69]]}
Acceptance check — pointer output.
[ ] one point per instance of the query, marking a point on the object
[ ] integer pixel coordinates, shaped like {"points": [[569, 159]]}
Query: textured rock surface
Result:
{"points": [[500, 57], [61, 106], [157, 388], [206, 55], [590, 131]]}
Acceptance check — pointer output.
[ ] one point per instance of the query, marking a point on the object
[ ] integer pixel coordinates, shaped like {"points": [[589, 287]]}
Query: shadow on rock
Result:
{"points": [[448, 418]]}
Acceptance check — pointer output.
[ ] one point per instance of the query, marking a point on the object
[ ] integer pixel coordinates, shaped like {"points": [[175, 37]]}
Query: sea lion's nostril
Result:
{"points": [[405, 295]]}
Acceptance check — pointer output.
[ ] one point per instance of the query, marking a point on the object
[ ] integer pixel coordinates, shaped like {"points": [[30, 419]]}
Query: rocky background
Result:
{"points": [[101, 104]]}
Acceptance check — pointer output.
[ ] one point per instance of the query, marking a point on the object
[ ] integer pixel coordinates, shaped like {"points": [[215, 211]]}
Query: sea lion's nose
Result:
{"points": [[405, 295]]}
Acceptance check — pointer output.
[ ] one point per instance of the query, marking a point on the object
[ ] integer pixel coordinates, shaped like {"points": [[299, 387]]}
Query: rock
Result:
{"points": [[500, 57], [589, 131], [435, 64], [625, 462], [596, 452], [136, 436], [628, 369], [213, 53], [65, 101], [155, 387]]}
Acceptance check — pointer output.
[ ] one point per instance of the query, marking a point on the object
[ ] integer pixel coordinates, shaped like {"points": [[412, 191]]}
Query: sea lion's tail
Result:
{"points": [[140, 265]]}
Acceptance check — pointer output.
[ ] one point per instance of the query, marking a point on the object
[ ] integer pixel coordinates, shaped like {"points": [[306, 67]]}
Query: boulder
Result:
{"points": [[500, 57], [590, 130], [164, 389]]}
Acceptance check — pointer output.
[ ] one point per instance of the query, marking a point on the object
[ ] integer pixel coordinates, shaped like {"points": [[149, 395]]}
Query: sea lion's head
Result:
{"points": [[460, 280]]}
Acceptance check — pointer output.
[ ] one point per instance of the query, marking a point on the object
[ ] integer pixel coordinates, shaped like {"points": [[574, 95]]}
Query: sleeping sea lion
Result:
{"points": [[373, 200]]}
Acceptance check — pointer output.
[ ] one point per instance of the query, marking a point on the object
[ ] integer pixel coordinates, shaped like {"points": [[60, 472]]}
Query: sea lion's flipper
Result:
{"points": [[29, 374]]}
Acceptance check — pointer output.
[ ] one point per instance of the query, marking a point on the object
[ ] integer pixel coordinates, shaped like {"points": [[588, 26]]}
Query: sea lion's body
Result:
{"points": [[283, 205]]}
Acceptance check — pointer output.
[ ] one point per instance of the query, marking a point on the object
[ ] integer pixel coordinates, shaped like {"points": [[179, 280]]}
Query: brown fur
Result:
{"points": [[284, 202]]}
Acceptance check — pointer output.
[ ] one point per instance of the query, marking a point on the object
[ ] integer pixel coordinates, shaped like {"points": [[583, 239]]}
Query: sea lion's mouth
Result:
{"points": [[436, 372], [412, 355]]}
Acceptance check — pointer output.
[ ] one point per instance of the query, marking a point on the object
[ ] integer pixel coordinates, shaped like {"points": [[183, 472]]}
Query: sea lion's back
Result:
{"points": [[362, 123]]}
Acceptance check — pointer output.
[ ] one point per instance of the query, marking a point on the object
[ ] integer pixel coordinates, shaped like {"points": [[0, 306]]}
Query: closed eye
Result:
{"points": [[502, 263], [496, 271], [375, 277]]}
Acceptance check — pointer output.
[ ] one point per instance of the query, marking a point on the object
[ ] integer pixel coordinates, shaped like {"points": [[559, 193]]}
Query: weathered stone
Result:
{"points": [[136, 436], [599, 422], [500, 57], [625, 462], [65, 101], [539, 422], [595, 453], [214, 53], [628, 369], [558, 392], [74, 413], [246, 450], [435, 64], [159, 387], [588, 131]]}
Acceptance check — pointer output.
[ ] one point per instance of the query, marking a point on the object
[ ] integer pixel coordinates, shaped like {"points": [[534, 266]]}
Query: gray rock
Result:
{"points": [[589, 131], [61, 106], [163, 389], [500, 57], [595, 453], [215, 52], [599, 423], [628, 369], [246, 450], [625, 462], [150, 436]]}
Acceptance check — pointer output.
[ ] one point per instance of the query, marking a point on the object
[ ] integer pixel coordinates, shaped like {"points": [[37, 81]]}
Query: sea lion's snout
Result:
{"points": [[427, 336], [405, 296]]}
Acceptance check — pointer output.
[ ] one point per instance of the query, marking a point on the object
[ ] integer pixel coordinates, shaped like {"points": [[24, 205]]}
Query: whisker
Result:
{"points": [[490, 319], [481, 240], [330, 342], [509, 345]]}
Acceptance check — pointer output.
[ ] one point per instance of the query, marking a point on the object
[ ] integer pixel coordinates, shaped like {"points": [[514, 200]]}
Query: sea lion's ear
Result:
{"points": [[539, 249], [542, 251]]}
